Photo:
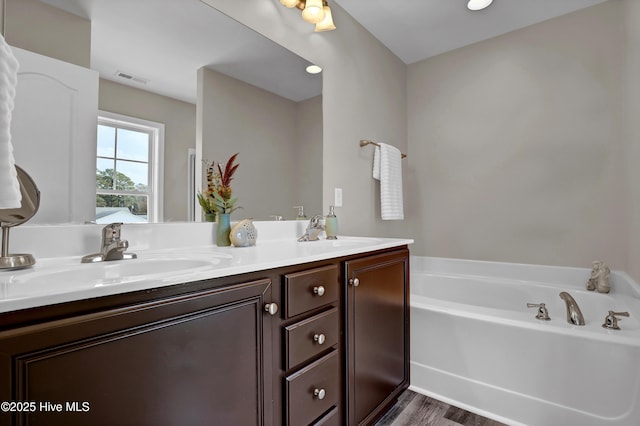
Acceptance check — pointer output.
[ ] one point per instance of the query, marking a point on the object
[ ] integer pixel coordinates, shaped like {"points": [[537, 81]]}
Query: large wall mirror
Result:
{"points": [[206, 78]]}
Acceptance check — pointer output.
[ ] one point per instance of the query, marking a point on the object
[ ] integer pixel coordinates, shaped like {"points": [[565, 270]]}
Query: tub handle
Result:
{"points": [[543, 313], [611, 320]]}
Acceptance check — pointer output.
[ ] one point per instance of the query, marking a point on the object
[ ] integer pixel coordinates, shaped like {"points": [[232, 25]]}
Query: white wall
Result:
{"points": [[519, 147], [363, 97]]}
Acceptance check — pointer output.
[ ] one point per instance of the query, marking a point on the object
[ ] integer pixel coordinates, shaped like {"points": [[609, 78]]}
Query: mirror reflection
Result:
{"points": [[203, 84]]}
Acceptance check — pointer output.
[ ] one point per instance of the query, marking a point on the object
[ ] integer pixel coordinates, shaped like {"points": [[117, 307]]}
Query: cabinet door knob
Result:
{"points": [[319, 393], [319, 338], [271, 308], [319, 290], [354, 282]]}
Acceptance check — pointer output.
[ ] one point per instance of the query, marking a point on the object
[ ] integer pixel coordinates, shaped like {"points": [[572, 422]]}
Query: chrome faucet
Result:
{"points": [[313, 229], [574, 315], [112, 247]]}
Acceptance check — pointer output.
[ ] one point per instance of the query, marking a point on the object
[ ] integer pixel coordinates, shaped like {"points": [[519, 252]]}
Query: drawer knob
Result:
{"points": [[319, 338], [271, 308], [319, 393], [319, 290], [354, 282]]}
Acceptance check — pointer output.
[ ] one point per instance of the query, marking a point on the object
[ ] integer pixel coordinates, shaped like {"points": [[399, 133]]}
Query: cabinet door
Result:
{"points": [[195, 359], [377, 337]]}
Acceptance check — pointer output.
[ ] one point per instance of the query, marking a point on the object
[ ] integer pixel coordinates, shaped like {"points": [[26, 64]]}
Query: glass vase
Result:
{"points": [[209, 217], [223, 230]]}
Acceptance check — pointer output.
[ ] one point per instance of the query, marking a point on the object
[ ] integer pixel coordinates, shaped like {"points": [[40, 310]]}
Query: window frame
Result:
{"points": [[155, 187]]}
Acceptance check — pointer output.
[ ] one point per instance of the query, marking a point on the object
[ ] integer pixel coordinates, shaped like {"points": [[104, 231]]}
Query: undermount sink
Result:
{"points": [[70, 277]]}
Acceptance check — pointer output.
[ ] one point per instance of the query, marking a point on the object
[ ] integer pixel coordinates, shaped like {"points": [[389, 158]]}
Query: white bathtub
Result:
{"points": [[476, 345]]}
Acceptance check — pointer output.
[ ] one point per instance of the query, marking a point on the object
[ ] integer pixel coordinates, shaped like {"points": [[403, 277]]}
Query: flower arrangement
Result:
{"points": [[218, 195]]}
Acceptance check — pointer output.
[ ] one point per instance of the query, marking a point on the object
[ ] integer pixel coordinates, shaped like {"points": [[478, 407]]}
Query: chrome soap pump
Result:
{"points": [[331, 225]]}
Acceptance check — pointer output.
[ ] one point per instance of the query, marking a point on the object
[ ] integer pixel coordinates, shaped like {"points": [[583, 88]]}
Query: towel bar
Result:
{"points": [[365, 142]]}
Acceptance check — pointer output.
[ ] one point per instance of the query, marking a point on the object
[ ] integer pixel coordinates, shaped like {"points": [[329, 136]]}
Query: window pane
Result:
{"points": [[104, 174], [121, 208], [133, 145], [132, 175], [106, 141]]}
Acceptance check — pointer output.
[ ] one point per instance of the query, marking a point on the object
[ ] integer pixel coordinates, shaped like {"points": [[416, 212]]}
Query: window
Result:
{"points": [[128, 169]]}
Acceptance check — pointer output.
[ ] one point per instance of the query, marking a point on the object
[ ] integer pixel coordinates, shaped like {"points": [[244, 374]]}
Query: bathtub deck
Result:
{"points": [[415, 409]]}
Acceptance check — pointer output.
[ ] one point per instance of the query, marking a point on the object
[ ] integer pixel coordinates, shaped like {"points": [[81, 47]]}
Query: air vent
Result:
{"points": [[131, 77]]}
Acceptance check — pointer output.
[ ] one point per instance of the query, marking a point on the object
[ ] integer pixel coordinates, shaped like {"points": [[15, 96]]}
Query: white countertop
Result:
{"points": [[63, 279]]}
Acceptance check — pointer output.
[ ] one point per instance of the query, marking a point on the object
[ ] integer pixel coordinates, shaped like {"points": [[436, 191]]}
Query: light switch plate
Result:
{"points": [[337, 199]]}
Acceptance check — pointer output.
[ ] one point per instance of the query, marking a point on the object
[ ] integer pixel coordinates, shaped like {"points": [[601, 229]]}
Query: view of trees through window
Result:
{"points": [[122, 174]]}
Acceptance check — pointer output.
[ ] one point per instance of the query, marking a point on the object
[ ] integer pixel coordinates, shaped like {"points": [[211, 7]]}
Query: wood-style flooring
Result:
{"points": [[415, 409]]}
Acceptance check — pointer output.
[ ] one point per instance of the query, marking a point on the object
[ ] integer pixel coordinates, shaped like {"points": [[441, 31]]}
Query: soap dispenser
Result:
{"points": [[301, 215], [331, 225]]}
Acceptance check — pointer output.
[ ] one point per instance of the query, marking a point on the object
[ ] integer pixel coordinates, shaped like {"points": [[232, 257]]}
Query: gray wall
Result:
{"points": [[43, 29], [307, 169], [519, 147], [2, 17], [363, 94], [264, 128], [632, 27]]}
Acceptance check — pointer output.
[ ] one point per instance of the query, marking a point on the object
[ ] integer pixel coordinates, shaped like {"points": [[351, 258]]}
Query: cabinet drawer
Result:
{"points": [[332, 418], [311, 337], [310, 289], [313, 390]]}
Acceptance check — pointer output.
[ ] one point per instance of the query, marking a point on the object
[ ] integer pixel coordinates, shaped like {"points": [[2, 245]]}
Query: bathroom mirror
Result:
{"points": [[14, 217], [177, 29]]}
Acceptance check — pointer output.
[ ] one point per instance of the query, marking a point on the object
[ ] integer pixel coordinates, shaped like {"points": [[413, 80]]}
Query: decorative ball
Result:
{"points": [[243, 234]]}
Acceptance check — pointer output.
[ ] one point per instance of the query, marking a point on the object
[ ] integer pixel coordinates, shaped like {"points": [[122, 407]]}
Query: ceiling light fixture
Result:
{"points": [[314, 69], [478, 4], [313, 11]]}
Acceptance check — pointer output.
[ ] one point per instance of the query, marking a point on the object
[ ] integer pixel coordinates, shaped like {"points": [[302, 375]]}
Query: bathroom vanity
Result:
{"points": [[307, 335]]}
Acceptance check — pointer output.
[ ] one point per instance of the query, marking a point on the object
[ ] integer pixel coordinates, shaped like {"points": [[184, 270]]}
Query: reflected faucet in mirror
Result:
{"points": [[112, 247]]}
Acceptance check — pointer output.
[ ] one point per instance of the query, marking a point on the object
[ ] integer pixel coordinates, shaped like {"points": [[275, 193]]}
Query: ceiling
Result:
{"points": [[418, 29], [162, 43], [166, 41]]}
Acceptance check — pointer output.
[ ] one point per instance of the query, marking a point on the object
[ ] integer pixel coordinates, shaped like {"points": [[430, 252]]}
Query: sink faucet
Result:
{"points": [[112, 247], [313, 229], [574, 315]]}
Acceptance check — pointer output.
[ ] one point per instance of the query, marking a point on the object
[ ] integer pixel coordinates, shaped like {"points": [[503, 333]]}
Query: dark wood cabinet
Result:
{"points": [[377, 333], [194, 359], [312, 373], [209, 353]]}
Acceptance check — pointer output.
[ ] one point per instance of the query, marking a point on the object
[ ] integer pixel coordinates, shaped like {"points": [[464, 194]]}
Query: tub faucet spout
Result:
{"points": [[574, 315]]}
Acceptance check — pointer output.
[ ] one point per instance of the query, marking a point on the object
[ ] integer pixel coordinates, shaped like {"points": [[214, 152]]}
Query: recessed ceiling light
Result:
{"points": [[478, 4], [314, 69]]}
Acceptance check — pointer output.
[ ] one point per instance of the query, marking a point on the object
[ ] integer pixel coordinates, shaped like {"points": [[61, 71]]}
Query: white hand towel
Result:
{"points": [[10, 195], [387, 168]]}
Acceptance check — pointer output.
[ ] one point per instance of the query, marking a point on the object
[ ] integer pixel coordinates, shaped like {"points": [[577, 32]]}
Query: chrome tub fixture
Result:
{"points": [[574, 315]]}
